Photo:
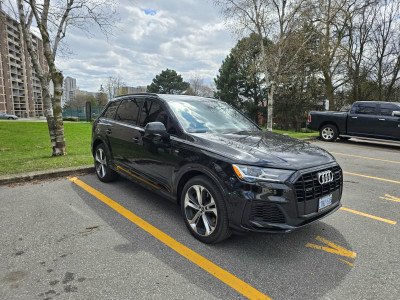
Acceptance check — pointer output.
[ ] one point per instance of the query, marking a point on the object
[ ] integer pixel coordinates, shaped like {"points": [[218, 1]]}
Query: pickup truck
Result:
{"points": [[366, 119]]}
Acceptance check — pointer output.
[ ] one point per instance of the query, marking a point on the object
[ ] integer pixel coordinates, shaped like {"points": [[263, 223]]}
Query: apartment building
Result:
{"points": [[20, 89], [68, 90]]}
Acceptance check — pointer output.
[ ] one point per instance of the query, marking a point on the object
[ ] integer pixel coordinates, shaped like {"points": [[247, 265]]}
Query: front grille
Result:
{"points": [[266, 212], [308, 187]]}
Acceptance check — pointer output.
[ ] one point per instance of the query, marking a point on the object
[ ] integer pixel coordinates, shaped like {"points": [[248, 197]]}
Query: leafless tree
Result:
{"points": [[113, 86], [272, 20], [53, 20], [386, 46], [359, 62], [199, 88]]}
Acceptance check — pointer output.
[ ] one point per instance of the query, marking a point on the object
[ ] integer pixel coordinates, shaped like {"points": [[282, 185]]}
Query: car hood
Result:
{"points": [[263, 148]]}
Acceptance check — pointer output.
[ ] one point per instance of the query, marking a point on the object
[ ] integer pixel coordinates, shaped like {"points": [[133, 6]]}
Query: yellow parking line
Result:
{"points": [[364, 157], [226, 277], [369, 216], [371, 177]]}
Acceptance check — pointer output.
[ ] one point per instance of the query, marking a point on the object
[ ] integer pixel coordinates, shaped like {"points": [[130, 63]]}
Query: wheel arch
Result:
{"points": [[191, 172], [329, 123]]}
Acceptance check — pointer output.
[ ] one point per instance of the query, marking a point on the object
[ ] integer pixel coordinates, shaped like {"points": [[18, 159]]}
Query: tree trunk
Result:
{"points": [[329, 90], [270, 110], [45, 86]]}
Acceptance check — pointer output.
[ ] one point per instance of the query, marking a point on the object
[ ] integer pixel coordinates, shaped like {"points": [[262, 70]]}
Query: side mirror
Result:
{"points": [[156, 128], [396, 113]]}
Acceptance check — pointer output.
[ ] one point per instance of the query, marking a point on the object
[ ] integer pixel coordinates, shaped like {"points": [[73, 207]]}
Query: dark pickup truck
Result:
{"points": [[366, 119]]}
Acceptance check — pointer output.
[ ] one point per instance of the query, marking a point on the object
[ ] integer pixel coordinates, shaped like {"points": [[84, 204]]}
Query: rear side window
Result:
{"points": [[366, 109], [128, 111], [387, 109], [110, 112]]}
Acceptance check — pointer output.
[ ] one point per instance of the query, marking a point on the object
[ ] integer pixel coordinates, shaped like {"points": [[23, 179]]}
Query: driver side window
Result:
{"points": [[153, 111]]}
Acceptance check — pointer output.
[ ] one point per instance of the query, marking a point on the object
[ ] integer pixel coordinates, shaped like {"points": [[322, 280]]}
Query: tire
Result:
{"points": [[102, 164], [207, 219], [328, 133], [10, 118]]}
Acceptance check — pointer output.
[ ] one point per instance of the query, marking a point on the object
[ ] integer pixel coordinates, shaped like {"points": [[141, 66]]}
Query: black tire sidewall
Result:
{"points": [[221, 231]]}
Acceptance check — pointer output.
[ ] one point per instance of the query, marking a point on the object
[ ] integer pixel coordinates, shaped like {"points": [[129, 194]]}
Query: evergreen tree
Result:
{"points": [[168, 82]]}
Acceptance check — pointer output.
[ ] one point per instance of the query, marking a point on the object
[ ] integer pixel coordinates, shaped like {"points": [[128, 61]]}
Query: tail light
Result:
{"points": [[309, 118]]}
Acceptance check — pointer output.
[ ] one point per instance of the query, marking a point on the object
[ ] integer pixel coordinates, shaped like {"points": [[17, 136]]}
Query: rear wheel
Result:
{"points": [[328, 133], [204, 210], [102, 164]]}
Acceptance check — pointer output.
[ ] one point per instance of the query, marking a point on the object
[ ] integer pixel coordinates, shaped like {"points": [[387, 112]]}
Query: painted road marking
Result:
{"points": [[226, 277], [368, 216], [390, 198], [364, 157], [335, 249], [371, 177]]}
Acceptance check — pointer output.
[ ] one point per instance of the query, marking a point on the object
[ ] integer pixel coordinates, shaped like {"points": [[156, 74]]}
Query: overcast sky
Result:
{"points": [[187, 36]]}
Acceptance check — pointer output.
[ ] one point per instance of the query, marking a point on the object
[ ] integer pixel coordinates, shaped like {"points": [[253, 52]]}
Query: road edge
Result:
{"points": [[46, 174]]}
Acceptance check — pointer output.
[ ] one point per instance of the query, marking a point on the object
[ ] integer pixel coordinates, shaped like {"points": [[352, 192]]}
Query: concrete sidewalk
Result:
{"points": [[46, 174]]}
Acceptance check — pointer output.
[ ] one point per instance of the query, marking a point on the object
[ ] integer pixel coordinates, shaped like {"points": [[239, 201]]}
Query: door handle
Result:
{"points": [[382, 119], [354, 117], [136, 140], [109, 130]]}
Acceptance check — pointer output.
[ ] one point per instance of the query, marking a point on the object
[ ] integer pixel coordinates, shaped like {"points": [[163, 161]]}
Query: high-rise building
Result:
{"points": [[20, 89], [69, 90]]}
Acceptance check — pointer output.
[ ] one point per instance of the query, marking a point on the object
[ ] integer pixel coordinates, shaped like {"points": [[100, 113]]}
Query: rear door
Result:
{"points": [[363, 119], [124, 135], [389, 126]]}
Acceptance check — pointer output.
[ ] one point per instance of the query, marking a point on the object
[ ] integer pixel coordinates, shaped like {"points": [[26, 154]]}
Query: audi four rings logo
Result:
{"points": [[325, 177]]}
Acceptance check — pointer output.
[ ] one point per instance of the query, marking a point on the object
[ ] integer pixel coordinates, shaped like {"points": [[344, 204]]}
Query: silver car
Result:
{"points": [[7, 116]]}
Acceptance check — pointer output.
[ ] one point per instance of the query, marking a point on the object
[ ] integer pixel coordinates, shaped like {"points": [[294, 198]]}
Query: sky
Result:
{"points": [[188, 36]]}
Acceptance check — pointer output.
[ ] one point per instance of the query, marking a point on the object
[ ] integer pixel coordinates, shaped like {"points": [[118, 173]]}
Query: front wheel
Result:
{"points": [[102, 164], [204, 210], [328, 133]]}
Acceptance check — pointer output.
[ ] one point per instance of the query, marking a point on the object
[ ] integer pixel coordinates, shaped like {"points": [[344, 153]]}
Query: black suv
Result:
{"points": [[227, 174]]}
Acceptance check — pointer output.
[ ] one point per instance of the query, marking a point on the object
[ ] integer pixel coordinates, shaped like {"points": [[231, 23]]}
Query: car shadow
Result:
{"points": [[283, 266], [367, 143]]}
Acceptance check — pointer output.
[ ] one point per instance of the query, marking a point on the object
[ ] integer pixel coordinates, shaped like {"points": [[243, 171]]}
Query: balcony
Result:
{"points": [[13, 34], [14, 42], [15, 65], [15, 57], [12, 26], [16, 72], [17, 87], [14, 49]]}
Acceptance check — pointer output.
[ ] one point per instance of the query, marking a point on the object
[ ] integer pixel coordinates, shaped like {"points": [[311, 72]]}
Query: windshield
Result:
{"points": [[210, 116]]}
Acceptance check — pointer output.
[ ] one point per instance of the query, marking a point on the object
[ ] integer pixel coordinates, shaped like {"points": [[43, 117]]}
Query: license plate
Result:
{"points": [[324, 202]]}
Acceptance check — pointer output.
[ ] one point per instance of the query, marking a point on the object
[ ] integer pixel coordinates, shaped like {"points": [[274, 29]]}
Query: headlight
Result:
{"points": [[252, 174]]}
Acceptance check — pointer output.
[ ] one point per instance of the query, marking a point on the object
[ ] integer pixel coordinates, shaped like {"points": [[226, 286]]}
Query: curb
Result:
{"points": [[16, 178]]}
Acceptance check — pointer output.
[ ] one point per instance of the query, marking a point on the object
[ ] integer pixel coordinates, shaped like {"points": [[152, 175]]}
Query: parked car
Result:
{"points": [[227, 174], [366, 119], [7, 116]]}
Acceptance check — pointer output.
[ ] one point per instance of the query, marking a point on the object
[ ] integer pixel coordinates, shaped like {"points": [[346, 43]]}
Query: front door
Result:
{"points": [[362, 119]]}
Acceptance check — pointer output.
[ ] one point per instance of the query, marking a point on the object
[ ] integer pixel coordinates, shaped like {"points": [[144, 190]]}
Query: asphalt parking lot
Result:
{"points": [[79, 238]]}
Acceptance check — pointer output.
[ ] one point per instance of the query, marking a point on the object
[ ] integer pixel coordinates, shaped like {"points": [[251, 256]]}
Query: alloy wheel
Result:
{"points": [[327, 133], [200, 210], [101, 162]]}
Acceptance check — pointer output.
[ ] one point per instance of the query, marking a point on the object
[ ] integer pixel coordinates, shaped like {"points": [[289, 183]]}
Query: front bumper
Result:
{"points": [[283, 207]]}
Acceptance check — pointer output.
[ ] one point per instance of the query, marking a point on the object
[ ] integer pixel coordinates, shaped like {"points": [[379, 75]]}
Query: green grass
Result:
{"points": [[298, 135], [26, 147]]}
